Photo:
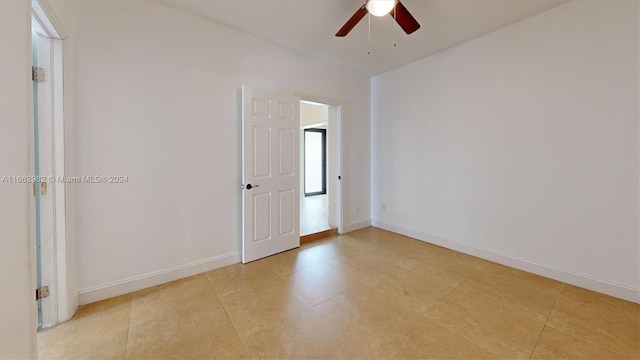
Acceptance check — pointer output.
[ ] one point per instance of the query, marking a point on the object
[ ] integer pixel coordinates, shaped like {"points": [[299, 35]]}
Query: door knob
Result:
{"points": [[249, 186]]}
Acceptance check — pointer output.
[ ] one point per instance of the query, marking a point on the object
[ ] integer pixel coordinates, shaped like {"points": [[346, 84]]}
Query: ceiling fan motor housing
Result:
{"points": [[380, 8]]}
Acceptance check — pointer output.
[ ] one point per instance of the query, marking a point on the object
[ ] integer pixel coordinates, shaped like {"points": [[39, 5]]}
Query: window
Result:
{"points": [[315, 162]]}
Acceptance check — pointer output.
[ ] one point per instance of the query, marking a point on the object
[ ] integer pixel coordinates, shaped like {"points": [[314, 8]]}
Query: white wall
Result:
{"points": [[521, 146], [17, 300], [313, 114], [156, 100]]}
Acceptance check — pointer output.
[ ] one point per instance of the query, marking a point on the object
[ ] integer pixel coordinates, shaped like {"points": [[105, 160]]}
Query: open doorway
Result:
{"points": [[319, 167]]}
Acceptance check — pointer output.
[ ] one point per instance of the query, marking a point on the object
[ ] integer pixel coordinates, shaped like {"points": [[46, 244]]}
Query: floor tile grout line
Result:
{"points": [[546, 321], [424, 314], [301, 295], [291, 286], [322, 262], [329, 298], [439, 301], [580, 339], [126, 344], [229, 317], [304, 268], [464, 281]]}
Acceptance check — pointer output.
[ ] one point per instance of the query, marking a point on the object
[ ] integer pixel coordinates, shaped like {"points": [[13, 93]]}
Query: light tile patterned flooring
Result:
{"points": [[369, 294]]}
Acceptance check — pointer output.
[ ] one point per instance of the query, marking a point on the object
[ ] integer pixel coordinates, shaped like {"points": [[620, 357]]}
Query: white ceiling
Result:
{"points": [[309, 26]]}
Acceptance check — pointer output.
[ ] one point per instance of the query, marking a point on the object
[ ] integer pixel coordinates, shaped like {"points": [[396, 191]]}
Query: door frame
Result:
{"points": [[62, 302], [339, 128]]}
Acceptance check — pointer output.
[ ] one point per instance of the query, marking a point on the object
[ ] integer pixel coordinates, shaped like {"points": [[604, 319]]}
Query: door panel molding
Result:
{"points": [[270, 173]]}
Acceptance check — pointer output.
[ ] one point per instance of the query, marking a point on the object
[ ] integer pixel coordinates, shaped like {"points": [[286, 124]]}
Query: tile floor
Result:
{"points": [[366, 295]]}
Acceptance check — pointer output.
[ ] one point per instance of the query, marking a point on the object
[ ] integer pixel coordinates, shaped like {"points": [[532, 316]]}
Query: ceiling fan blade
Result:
{"points": [[352, 22], [404, 18]]}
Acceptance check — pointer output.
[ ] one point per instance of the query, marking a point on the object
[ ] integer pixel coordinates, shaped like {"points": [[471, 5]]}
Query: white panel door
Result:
{"points": [[270, 173]]}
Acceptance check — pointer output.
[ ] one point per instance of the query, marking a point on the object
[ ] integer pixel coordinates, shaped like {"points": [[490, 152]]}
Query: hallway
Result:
{"points": [[314, 214]]}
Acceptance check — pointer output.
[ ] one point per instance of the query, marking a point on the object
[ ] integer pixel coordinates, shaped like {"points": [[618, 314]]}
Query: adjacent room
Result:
{"points": [[362, 179]]}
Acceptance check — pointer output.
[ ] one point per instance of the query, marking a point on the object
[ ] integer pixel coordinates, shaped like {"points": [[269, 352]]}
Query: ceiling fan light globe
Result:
{"points": [[380, 7]]}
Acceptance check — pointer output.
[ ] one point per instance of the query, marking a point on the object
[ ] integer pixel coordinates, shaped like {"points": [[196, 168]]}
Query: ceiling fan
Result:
{"points": [[380, 8]]}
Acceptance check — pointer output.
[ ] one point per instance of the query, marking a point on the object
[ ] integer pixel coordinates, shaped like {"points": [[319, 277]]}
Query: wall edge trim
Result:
{"points": [[589, 282], [135, 283], [353, 226]]}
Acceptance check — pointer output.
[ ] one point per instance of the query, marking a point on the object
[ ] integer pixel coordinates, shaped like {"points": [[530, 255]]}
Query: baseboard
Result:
{"points": [[136, 283], [553, 272], [356, 226], [73, 305]]}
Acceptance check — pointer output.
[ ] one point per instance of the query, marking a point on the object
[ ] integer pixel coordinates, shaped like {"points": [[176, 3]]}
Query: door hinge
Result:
{"points": [[43, 188], [42, 292], [37, 74]]}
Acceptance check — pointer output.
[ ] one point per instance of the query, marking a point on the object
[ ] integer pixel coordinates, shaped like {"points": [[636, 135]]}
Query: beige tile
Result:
{"points": [[302, 335], [554, 344], [319, 282], [426, 252], [360, 243], [105, 307], [185, 293], [243, 277], [517, 291], [98, 331], [323, 340], [253, 309], [198, 332], [275, 343], [368, 263], [353, 304], [364, 315], [371, 294], [381, 271], [291, 261], [440, 268], [271, 321], [385, 278], [599, 304], [487, 325], [392, 331], [398, 244], [477, 263], [80, 343], [598, 320], [330, 250], [425, 339], [411, 248], [416, 291], [354, 275]]}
